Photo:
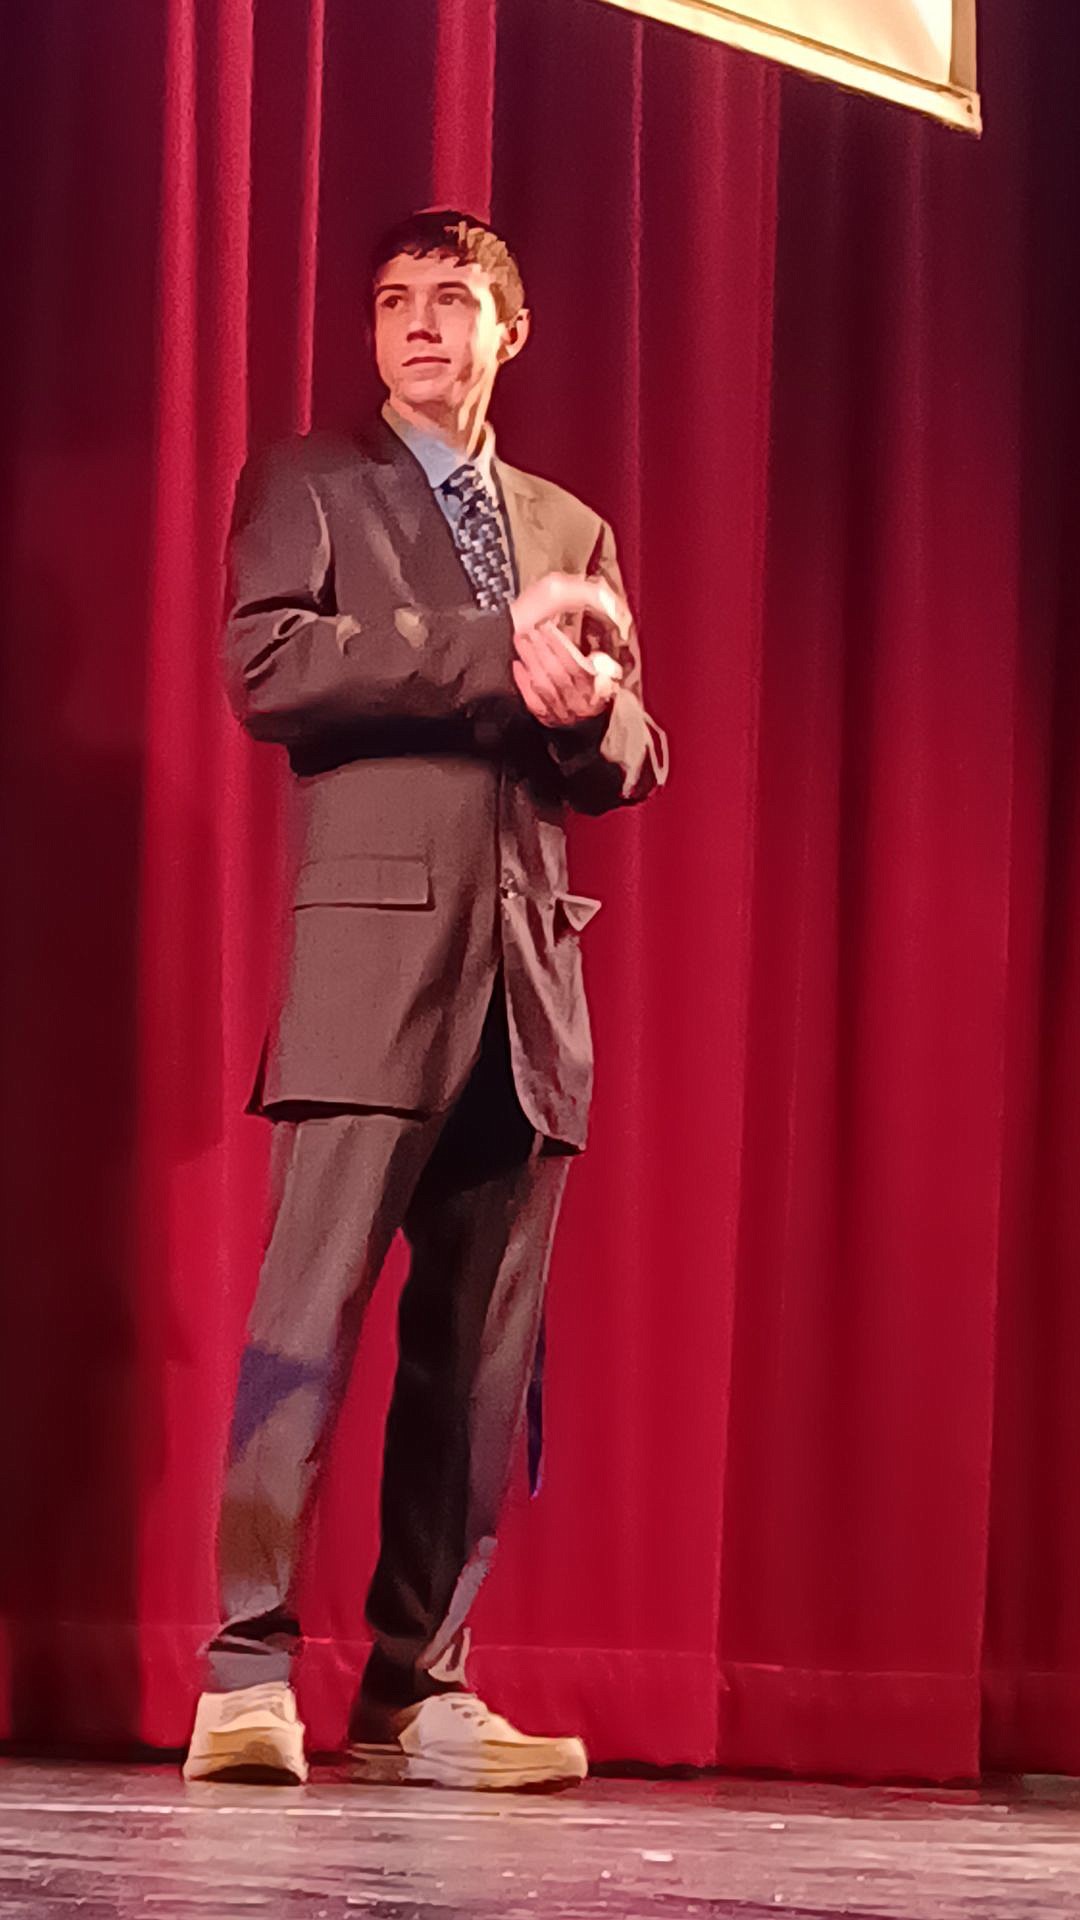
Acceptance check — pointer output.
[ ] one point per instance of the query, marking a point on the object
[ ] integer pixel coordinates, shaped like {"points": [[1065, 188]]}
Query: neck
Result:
{"points": [[460, 427]]}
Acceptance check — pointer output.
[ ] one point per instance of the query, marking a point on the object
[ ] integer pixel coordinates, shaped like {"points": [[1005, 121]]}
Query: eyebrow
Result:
{"points": [[441, 286]]}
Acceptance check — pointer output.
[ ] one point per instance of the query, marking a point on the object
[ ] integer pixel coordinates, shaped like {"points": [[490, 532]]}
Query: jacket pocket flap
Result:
{"points": [[577, 909], [364, 880]]}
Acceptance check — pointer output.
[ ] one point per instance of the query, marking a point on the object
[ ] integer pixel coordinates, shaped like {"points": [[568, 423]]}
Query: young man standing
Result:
{"points": [[442, 645]]}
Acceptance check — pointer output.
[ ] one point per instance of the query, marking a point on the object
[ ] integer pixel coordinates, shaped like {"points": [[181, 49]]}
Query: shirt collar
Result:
{"points": [[437, 459]]}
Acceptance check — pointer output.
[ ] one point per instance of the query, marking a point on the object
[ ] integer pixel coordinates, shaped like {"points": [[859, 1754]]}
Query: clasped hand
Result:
{"points": [[557, 683]]}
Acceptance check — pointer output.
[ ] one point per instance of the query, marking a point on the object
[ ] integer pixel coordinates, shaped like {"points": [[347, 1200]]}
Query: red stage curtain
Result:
{"points": [[815, 1334]]}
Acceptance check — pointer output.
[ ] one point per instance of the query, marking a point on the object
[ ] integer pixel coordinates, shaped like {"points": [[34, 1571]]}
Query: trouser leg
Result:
{"points": [[340, 1185], [480, 1224]]}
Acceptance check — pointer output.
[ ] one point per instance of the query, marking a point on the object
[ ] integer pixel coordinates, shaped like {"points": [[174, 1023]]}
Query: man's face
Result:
{"points": [[439, 341]]}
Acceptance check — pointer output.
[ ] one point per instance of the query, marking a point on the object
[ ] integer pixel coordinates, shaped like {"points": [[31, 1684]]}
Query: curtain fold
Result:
{"points": [[465, 56], [813, 1371]]}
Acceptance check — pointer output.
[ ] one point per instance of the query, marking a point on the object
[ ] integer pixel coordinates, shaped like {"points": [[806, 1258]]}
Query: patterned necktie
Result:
{"points": [[478, 536]]}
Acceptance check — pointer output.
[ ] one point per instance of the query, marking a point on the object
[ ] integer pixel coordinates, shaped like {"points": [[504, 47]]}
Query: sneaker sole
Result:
{"points": [[389, 1767], [247, 1763]]}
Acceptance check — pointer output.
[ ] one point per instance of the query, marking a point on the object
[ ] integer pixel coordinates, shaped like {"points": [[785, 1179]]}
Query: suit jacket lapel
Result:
{"points": [[421, 546], [531, 538]]}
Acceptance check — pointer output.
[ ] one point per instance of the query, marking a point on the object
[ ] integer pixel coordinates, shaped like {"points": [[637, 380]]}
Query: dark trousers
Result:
{"points": [[477, 1192]]}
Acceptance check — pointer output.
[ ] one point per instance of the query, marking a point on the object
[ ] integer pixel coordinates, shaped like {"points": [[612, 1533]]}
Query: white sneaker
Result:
{"points": [[254, 1732], [454, 1740]]}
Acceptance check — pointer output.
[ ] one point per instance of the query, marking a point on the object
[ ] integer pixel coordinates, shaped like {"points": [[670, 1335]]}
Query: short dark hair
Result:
{"points": [[461, 237]]}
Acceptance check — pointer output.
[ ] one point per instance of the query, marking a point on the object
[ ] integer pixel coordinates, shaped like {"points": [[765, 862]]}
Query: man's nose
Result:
{"points": [[423, 323]]}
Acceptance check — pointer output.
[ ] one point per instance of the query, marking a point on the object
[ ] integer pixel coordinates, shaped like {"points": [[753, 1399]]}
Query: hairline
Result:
{"points": [[457, 235], [447, 253]]}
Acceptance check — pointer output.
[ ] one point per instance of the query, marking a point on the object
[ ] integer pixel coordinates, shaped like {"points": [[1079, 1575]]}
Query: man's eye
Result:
{"points": [[391, 300], [449, 299]]}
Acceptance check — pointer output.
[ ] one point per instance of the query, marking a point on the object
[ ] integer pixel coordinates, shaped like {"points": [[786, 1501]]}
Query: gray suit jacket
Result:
{"points": [[427, 838]]}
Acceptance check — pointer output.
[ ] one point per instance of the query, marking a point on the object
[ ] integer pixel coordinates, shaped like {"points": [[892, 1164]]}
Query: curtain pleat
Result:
{"points": [[461, 168]]}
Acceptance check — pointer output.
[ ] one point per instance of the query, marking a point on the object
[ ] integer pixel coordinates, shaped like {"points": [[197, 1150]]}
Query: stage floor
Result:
{"points": [[112, 1844]]}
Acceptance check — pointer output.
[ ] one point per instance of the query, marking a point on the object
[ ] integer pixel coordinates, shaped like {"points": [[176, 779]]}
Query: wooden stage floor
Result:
{"points": [[130, 1843]]}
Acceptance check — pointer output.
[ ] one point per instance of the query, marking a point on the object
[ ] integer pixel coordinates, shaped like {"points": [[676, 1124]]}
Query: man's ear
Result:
{"points": [[515, 336]]}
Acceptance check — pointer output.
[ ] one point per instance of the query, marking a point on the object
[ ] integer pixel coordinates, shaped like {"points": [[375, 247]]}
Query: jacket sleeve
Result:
{"points": [[298, 665], [619, 758]]}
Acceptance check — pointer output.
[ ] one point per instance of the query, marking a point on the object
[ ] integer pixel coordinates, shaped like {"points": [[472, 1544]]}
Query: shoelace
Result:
{"points": [[268, 1699], [467, 1706]]}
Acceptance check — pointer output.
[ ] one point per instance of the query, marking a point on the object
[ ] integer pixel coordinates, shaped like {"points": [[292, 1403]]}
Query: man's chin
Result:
{"points": [[426, 389]]}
